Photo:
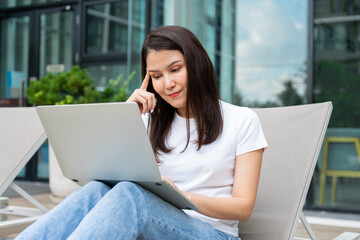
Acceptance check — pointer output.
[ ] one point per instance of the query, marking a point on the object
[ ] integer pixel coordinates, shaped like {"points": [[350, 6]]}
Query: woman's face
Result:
{"points": [[168, 73]]}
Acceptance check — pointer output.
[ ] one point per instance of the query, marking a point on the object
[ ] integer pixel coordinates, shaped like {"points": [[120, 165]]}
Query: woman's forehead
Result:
{"points": [[163, 58]]}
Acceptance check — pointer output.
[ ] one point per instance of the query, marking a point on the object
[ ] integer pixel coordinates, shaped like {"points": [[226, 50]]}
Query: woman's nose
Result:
{"points": [[169, 82]]}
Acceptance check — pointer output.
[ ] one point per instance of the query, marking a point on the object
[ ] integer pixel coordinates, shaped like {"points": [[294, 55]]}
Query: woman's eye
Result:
{"points": [[156, 76], [175, 69]]}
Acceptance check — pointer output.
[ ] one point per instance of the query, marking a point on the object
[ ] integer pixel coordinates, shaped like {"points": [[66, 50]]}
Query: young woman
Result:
{"points": [[208, 149]]}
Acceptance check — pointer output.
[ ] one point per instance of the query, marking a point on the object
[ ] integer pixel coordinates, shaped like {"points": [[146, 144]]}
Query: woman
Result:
{"points": [[208, 149]]}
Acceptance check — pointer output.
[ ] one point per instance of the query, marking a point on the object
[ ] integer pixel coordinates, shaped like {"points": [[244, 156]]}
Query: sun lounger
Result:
{"points": [[21, 135]]}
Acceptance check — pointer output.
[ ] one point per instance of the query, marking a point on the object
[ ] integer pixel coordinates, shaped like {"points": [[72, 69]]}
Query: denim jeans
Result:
{"points": [[126, 211]]}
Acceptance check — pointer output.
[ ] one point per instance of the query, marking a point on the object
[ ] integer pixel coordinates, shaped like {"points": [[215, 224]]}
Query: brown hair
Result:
{"points": [[202, 91]]}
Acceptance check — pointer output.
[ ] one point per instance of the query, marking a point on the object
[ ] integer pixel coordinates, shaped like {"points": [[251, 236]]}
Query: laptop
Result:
{"points": [[107, 142]]}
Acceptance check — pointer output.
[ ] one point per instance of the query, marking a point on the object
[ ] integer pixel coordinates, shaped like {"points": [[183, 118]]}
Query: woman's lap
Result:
{"points": [[126, 211]]}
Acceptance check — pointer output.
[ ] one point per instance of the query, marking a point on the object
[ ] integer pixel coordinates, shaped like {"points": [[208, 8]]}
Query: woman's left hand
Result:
{"points": [[171, 182], [186, 194]]}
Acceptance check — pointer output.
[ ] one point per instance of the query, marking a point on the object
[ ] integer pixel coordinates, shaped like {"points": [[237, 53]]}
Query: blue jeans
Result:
{"points": [[126, 211]]}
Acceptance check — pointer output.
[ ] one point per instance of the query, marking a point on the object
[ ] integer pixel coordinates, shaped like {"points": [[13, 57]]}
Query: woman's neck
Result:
{"points": [[182, 112]]}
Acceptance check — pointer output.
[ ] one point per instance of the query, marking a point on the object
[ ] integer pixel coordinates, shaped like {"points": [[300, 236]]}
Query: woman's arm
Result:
{"points": [[240, 206]]}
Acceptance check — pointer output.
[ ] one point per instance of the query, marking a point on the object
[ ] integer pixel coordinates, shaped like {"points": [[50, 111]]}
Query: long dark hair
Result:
{"points": [[202, 92]]}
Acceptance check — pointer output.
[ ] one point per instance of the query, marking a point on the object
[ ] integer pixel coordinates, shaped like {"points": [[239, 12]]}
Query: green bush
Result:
{"points": [[74, 87]]}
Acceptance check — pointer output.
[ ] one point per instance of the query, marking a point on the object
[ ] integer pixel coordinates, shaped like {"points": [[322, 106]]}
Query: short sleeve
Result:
{"points": [[250, 133]]}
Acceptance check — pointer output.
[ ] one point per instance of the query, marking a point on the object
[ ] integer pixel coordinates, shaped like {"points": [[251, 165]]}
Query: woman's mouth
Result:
{"points": [[174, 94]]}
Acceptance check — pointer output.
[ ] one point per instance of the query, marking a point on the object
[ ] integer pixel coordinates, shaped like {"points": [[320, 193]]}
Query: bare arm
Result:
{"points": [[241, 204]]}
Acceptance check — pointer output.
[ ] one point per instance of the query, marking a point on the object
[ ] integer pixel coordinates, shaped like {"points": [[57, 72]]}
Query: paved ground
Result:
{"points": [[30, 187]]}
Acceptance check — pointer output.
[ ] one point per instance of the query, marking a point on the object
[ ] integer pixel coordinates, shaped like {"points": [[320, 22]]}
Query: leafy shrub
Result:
{"points": [[74, 87]]}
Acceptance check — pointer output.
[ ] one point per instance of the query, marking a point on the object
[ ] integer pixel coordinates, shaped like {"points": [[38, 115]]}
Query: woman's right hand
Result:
{"points": [[145, 100]]}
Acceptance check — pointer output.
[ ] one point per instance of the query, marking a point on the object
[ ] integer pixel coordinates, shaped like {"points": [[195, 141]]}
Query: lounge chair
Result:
{"points": [[21, 135], [295, 135]]}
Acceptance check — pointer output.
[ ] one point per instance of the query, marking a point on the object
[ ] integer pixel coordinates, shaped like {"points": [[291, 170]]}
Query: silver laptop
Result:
{"points": [[107, 142]]}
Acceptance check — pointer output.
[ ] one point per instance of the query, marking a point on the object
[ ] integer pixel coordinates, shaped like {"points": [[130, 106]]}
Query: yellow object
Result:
{"points": [[335, 173]]}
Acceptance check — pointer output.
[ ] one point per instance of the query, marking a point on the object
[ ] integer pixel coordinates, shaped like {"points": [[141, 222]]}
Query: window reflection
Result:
{"points": [[43, 161], [18, 3], [344, 37], [326, 8], [109, 27], [14, 55], [103, 73], [271, 53], [55, 40], [336, 79]]}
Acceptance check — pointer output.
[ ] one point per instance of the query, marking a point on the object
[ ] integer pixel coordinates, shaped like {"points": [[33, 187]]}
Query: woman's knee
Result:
{"points": [[95, 187], [126, 186], [132, 192]]}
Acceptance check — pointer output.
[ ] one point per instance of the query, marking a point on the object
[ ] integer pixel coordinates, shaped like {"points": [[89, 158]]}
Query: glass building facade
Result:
{"points": [[266, 53], [295, 52], [336, 78]]}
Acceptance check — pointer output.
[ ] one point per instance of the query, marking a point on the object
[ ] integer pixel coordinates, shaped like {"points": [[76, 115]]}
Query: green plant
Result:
{"points": [[74, 87]]}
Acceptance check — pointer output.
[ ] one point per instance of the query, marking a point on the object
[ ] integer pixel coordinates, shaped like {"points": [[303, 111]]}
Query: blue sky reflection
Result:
{"points": [[271, 47]]}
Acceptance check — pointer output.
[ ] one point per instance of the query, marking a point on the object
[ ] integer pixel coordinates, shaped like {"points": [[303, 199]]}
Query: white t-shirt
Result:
{"points": [[210, 170]]}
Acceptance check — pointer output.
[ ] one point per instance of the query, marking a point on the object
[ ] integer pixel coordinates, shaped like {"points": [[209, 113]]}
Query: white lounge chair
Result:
{"points": [[21, 135], [295, 135]]}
